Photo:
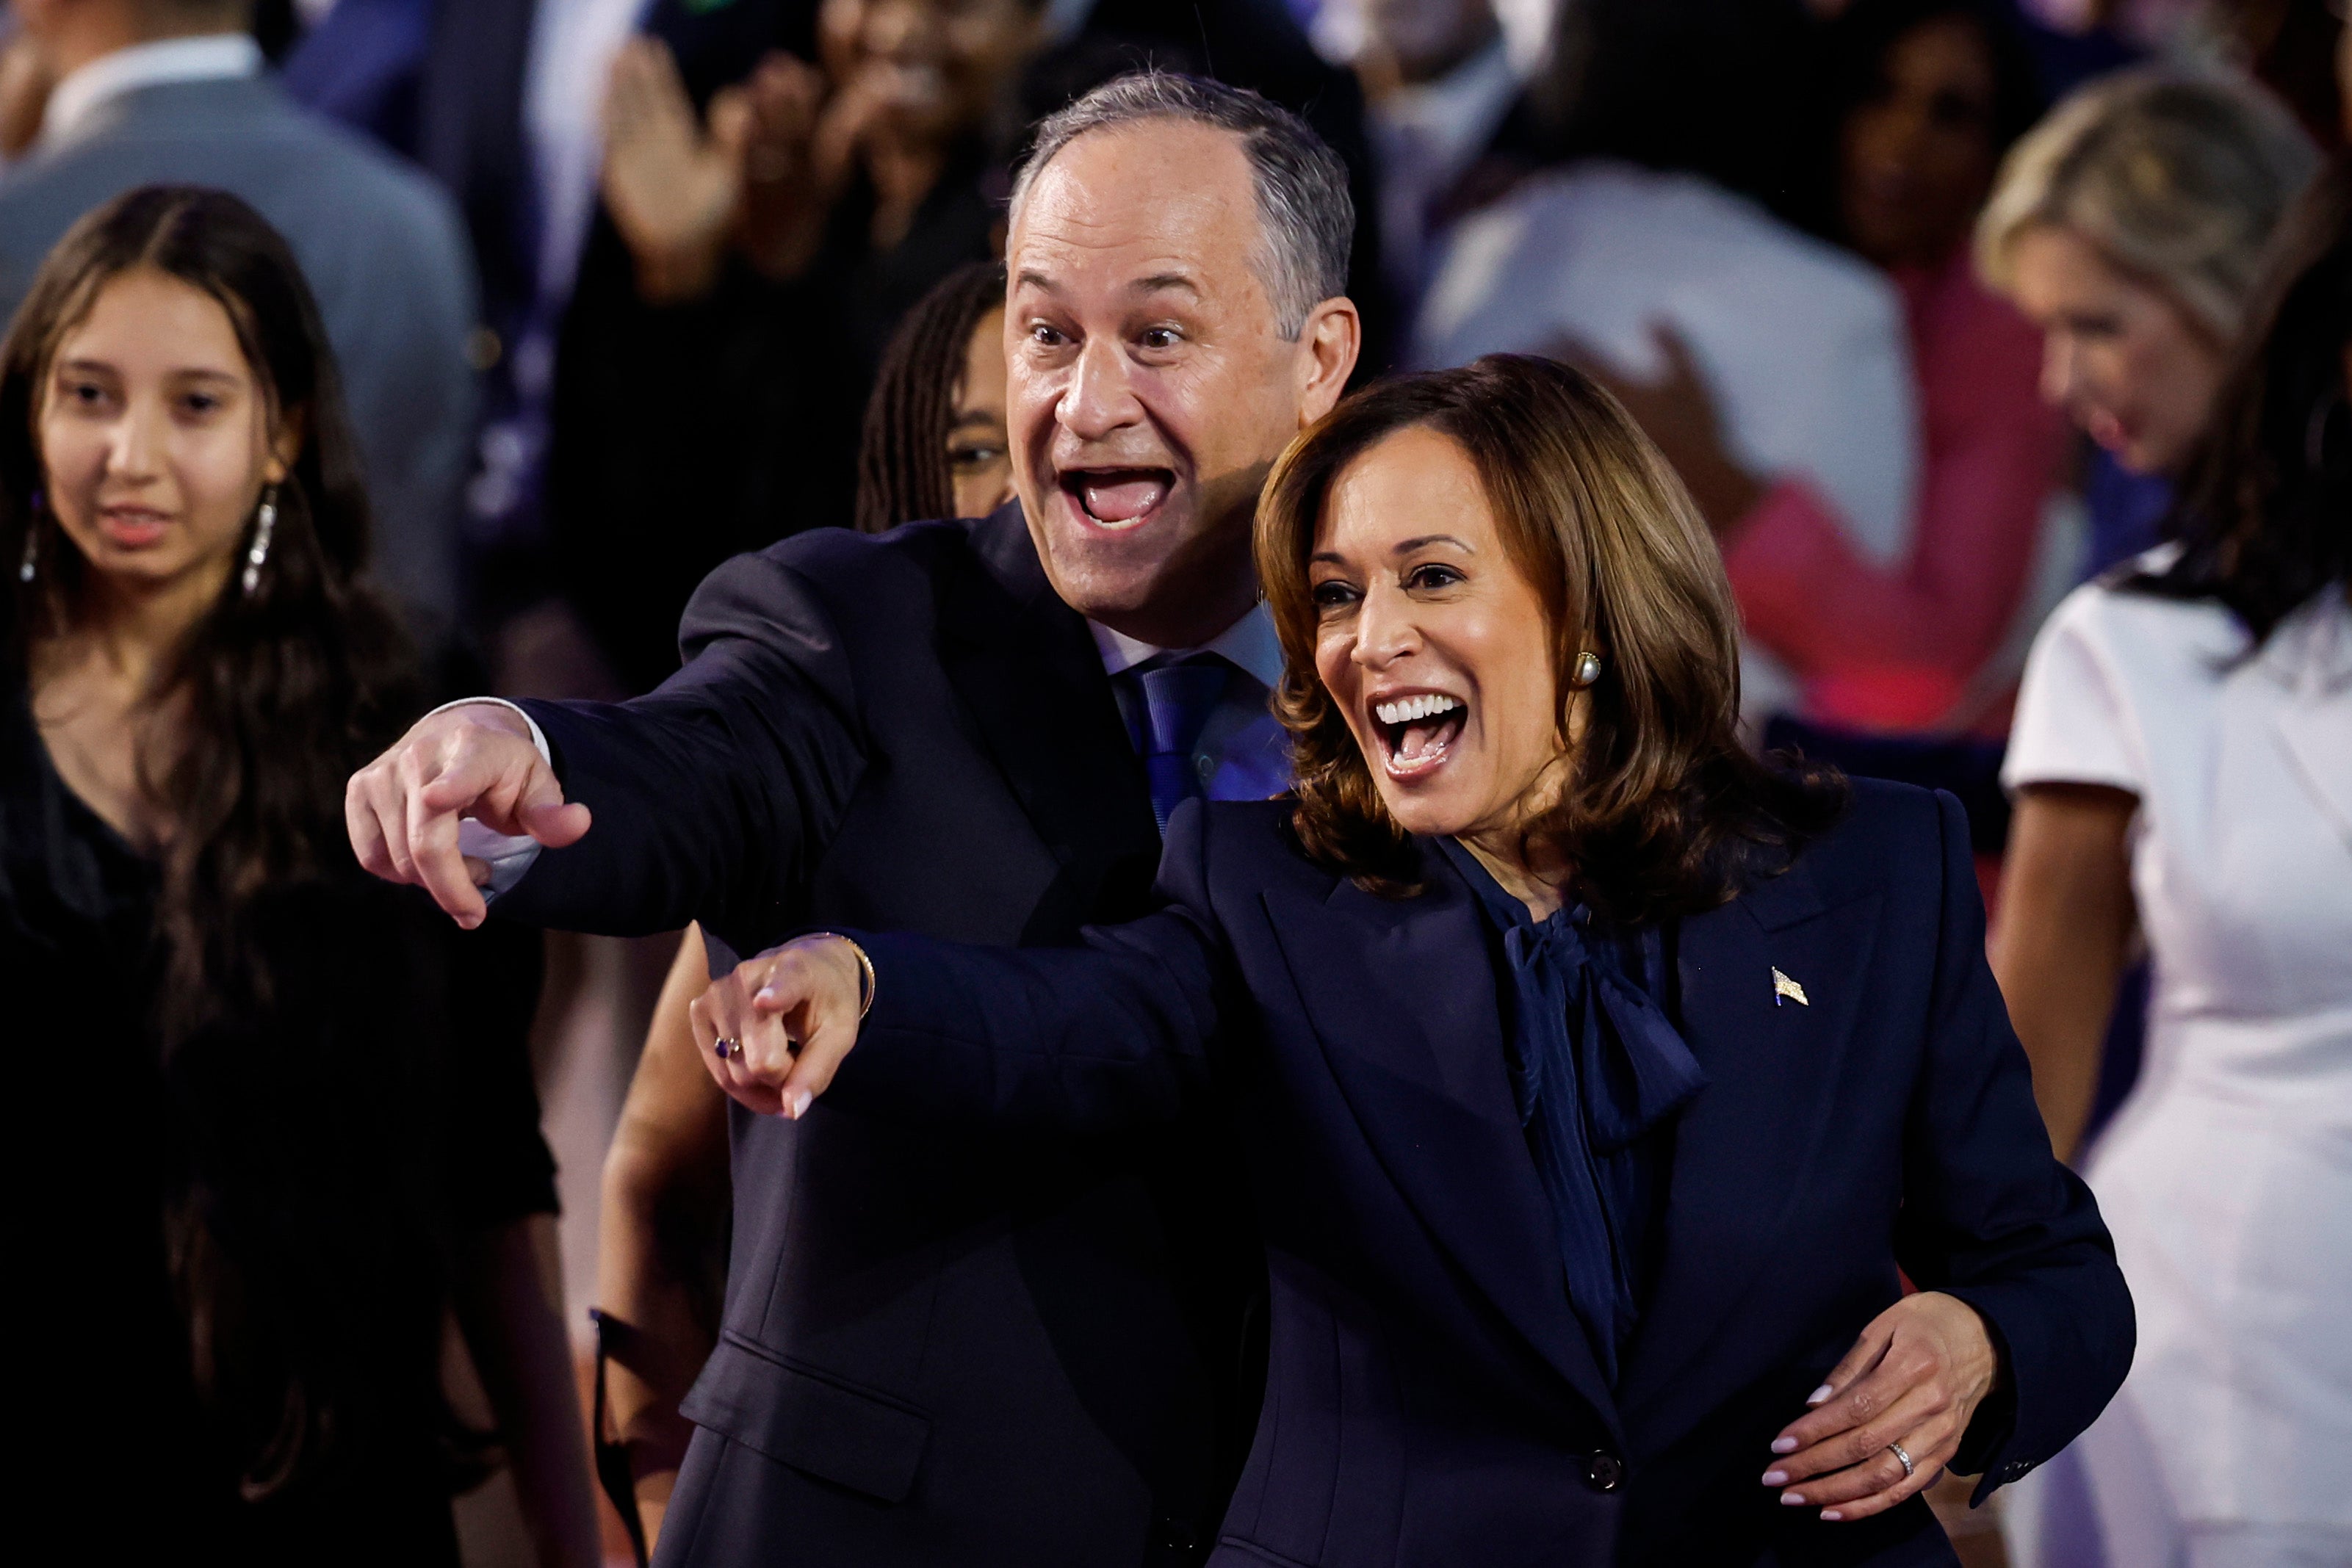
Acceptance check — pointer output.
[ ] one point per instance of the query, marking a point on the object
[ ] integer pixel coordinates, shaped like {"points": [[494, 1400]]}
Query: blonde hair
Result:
{"points": [[2177, 179]]}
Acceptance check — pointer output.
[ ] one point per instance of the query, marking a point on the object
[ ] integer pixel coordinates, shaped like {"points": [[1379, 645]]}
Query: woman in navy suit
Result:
{"points": [[1600, 1083]]}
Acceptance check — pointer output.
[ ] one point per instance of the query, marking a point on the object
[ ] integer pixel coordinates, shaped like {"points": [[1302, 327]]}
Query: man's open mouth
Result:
{"points": [[1117, 497], [1418, 731]]}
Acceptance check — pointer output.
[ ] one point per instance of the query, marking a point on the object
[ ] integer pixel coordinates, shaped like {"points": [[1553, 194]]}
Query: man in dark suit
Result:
{"points": [[965, 1348]]}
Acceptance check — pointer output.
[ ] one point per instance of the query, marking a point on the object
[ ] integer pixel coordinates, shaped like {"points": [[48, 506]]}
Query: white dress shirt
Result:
{"points": [[211, 56]]}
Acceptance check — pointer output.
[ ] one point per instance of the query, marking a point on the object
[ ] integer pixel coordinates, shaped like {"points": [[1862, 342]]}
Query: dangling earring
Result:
{"points": [[265, 522], [32, 561], [1587, 669]]}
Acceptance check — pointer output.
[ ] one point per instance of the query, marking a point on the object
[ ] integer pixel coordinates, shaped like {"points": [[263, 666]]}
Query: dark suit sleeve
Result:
{"points": [[713, 794], [1091, 1039], [1990, 1215]]}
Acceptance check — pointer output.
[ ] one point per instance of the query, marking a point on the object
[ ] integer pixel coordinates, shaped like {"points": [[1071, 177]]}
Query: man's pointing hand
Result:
{"points": [[473, 760]]}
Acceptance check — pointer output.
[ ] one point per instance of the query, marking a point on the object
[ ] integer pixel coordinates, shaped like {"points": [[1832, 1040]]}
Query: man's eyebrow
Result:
{"points": [[1159, 281], [1027, 278]]}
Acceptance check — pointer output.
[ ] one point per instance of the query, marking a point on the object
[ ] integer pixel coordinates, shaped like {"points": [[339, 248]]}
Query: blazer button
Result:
{"points": [[1604, 1472]]}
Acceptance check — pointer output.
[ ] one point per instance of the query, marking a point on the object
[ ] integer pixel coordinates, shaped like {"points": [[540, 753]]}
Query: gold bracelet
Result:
{"points": [[866, 981]]}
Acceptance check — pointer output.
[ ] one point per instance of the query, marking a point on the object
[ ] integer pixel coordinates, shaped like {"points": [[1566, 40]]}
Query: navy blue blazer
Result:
{"points": [[1430, 1398]]}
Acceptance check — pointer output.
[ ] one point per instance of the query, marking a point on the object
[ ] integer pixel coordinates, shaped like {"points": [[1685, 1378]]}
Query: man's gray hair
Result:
{"points": [[1303, 205]]}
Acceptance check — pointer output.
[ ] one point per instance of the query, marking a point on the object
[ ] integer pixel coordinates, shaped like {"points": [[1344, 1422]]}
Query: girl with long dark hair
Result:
{"points": [[288, 1126]]}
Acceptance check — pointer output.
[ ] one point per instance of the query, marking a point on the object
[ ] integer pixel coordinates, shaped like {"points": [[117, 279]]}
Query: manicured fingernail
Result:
{"points": [[1784, 1445], [1776, 1477], [1818, 1394], [1792, 1499], [798, 1105], [1831, 1514]]}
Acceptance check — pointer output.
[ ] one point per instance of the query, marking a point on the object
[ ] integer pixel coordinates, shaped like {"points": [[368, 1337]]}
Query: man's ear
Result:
{"points": [[286, 447], [1327, 346]]}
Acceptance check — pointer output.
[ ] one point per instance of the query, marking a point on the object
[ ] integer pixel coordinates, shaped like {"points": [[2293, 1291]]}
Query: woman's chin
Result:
{"points": [[1426, 809]]}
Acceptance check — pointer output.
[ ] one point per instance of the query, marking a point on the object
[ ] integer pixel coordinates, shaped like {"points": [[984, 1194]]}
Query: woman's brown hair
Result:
{"points": [[1666, 812]]}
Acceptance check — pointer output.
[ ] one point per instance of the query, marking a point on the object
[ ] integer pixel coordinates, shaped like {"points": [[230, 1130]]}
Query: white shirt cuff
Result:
{"points": [[509, 855]]}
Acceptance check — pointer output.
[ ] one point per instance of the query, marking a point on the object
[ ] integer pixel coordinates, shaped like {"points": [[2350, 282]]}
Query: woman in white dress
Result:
{"points": [[2182, 761]]}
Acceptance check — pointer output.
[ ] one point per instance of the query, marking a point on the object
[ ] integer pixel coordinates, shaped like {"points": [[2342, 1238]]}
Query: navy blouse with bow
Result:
{"points": [[1598, 1074]]}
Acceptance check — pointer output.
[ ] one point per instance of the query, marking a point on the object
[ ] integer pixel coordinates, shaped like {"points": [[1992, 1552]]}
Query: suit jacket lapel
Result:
{"points": [[1403, 995], [1741, 1148], [1026, 670]]}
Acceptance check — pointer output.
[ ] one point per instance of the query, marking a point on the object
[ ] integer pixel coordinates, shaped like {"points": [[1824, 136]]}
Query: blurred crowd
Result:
{"points": [[1931, 303]]}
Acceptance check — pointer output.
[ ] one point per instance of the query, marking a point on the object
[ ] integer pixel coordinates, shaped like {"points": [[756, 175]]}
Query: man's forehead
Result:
{"points": [[1159, 200]]}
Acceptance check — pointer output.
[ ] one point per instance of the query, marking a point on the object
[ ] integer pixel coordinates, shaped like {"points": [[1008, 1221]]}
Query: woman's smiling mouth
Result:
{"points": [[1417, 731]]}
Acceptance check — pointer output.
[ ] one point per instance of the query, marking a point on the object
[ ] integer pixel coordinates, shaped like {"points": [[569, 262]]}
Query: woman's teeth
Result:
{"points": [[1404, 710], [1419, 731]]}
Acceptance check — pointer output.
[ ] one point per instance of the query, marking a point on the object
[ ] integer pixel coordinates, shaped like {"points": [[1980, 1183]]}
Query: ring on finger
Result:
{"points": [[1909, 1469], [726, 1048]]}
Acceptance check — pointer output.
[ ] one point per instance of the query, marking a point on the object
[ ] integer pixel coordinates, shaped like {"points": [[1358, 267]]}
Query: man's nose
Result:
{"points": [[1100, 397]]}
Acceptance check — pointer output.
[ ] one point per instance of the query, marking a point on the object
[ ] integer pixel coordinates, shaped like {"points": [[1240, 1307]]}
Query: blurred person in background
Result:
{"points": [[1668, 122], [2129, 226], [1439, 90], [935, 446], [935, 442], [772, 241], [2183, 762], [1923, 98], [173, 90], [317, 1139]]}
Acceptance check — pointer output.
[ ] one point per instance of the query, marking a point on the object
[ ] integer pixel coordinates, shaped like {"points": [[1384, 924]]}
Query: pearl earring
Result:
{"points": [[265, 523], [1587, 669]]}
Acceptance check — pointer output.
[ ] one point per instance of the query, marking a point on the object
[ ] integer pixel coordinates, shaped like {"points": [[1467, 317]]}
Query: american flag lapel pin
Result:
{"points": [[1786, 989]]}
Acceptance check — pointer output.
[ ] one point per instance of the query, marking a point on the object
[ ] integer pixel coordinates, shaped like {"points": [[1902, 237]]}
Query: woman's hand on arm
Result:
{"points": [[773, 1033], [1914, 1378], [660, 1239], [2065, 927]]}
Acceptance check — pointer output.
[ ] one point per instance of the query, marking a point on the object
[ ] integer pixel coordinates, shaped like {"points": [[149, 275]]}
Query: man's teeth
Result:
{"points": [[1405, 710]]}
